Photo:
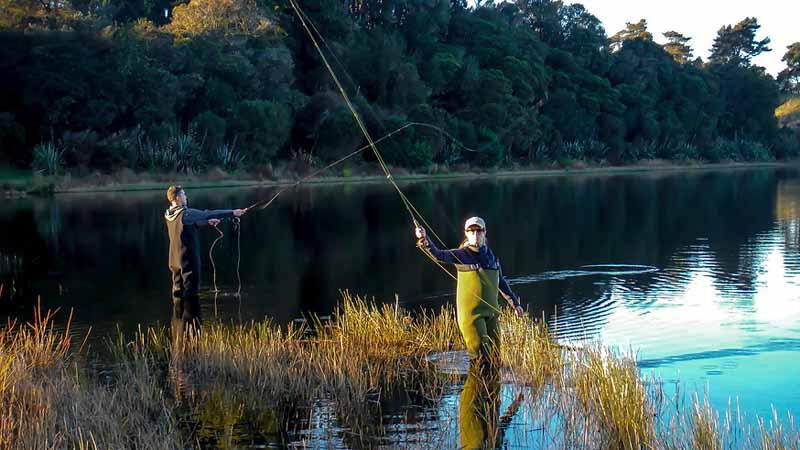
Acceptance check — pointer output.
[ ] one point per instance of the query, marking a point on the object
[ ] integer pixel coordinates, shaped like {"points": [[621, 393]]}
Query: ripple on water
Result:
{"points": [[584, 271]]}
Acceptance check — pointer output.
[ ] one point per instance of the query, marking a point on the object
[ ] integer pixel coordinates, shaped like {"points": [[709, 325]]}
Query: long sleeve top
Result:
{"points": [[184, 243], [471, 258]]}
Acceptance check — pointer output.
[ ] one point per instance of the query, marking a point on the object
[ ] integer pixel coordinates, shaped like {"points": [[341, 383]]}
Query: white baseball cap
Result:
{"points": [[473, 221]]}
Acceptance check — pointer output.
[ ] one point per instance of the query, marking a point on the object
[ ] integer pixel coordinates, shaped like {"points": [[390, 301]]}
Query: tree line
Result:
{"points": [[90, 85]]}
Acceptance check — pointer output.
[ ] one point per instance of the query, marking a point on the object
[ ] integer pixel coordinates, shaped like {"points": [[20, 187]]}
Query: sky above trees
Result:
{"points": [[700, 20]]}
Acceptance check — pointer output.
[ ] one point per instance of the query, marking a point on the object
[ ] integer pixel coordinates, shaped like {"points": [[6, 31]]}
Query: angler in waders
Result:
{"points": [[184, 251], [479, 278]]}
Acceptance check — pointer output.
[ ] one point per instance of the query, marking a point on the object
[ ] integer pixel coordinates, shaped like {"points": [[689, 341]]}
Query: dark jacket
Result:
{"points": [[184, 242], [469, 258]]}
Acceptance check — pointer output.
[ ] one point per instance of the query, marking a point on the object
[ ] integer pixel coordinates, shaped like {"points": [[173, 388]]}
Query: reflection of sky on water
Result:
{"points": [[722, 311], [732, 334]]}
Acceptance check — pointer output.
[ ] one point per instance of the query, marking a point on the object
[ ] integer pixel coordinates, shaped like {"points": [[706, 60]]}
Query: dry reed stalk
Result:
{"points": [[49, 401]]}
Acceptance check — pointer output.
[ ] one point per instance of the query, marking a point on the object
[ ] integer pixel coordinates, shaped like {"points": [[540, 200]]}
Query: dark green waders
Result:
{"points": [[477, 310]]}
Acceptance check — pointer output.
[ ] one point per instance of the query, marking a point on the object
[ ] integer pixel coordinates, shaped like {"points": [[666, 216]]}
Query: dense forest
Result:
{"points": [[164, 85]]}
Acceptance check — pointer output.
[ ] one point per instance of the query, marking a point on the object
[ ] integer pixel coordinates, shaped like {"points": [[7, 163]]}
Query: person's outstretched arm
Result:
{"points": [[450, 256], [202, 217]]}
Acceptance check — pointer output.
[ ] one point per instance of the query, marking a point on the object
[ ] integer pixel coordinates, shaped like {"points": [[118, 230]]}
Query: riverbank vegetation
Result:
{"points": [[361, 379], [788, 113], [165, 87]]}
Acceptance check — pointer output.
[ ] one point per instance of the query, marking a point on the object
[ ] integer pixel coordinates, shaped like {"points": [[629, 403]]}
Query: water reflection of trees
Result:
{"points": [[23, 255], [787, 211], [108, 251], [633, 220]]}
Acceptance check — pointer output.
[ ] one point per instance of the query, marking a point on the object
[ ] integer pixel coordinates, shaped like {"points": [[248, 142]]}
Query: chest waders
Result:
{"points": [[476, 308], [184, 263]]}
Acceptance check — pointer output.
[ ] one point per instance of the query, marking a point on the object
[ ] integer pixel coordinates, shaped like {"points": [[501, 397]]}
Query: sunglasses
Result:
{"points": [[475, 230]]}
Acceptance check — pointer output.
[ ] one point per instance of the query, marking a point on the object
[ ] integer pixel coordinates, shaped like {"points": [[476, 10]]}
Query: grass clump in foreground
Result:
{"points": [[332, 384], [50, 400]]}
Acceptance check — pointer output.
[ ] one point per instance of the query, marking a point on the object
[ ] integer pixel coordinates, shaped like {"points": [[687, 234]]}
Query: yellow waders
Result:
{"points": [[477, 310], [478, 411]]}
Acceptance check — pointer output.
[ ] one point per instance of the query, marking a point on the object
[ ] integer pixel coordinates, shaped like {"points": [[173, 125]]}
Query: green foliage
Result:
{"points": [[677, 47], [47, 158], [789, 78], [739, 149], [337, 135], [405, 87], [226, 157], [173, 152], [712, 153], [396, 150], [12, 136], [511, 82], [490, 150], [631, 32], [418, 155], [681, 151], [115, 151], [187, 152], [441, 71], [750, 98], [153, 155], [755, 151], [211, 129], [787, 144], [788, 113], [220, 18], [262, 128], [737, 44]]}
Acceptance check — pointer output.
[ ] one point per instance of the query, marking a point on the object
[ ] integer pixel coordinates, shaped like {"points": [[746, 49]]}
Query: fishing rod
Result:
{"points": [[413, 213], [265, 202]]}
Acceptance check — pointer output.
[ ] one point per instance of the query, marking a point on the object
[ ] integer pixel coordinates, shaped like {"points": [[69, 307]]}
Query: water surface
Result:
{"points": [[697, 273]]}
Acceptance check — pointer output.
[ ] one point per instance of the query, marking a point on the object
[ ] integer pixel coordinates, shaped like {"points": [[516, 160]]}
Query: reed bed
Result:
{"points": [[532, 357], [49, 401], [336, 383], [612, 397]]}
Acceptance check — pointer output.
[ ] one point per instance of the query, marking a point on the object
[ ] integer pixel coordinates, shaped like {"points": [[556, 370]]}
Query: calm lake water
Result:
{"points": [[697, 273]]}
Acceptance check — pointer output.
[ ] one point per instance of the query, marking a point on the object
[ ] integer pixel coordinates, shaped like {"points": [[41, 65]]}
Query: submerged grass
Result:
{"points": [[327, 383]]}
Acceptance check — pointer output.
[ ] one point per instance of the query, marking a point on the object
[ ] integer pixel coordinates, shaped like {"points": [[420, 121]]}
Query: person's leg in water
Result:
{"points": [[490, 342], [185, 317], [185, 307], [191, 299], [481, 336]]}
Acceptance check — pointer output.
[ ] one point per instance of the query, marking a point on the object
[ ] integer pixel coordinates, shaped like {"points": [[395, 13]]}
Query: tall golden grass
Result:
{"points": [[324, 383], [49, 401]]}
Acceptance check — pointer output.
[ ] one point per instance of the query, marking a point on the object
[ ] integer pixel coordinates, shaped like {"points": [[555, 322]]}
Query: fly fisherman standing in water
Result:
{"points": [[479, 278], [184, 251]]}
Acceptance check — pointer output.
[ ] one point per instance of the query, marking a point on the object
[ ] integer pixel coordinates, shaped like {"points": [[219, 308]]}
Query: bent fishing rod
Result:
{"points": [[265, 202], [413, 213]]}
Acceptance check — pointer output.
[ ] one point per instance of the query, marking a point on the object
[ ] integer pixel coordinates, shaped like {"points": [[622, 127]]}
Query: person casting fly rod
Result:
{"points": [[184, 250], [479, 278]]}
